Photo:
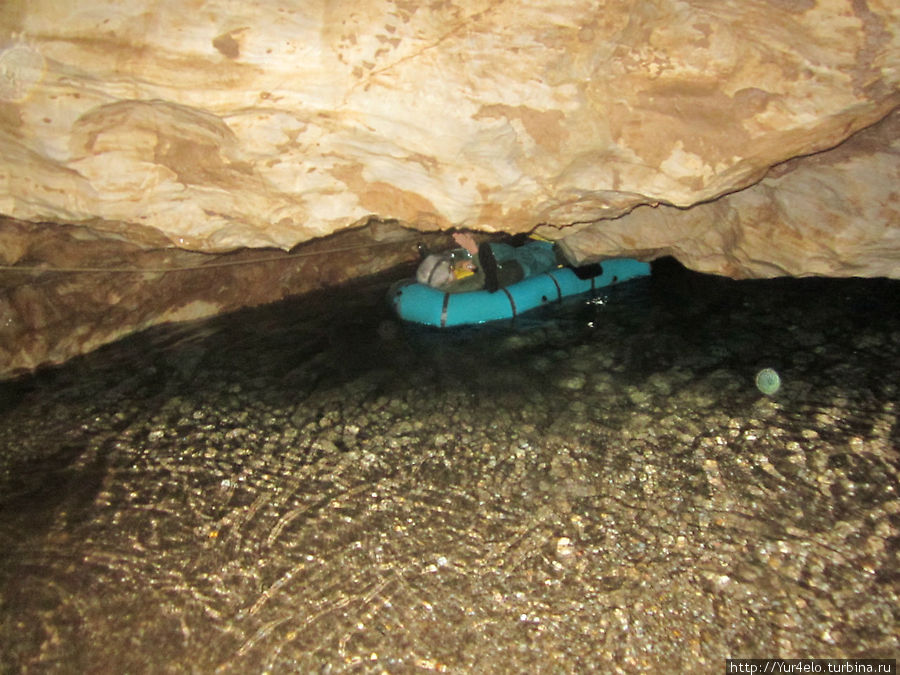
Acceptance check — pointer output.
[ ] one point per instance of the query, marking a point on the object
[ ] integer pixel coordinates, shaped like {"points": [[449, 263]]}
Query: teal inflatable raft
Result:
{"points": [[426, 305]]}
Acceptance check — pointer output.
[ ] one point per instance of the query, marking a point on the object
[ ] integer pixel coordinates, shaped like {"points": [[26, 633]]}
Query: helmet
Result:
{"points": [[435, 270]]}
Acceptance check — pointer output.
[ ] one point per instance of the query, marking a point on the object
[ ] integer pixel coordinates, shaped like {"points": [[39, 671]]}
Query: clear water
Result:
{"points": [[314, 487]]}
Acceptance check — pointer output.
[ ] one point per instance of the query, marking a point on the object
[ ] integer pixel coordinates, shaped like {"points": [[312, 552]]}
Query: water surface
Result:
{"points": [[314, 487]]}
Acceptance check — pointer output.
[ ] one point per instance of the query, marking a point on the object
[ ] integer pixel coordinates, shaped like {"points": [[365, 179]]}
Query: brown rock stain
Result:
{"points": [[705, 120], [877, 41], [793, 6], [10, 116], [195, 162], [196, 146], [132, 58], [386, 200], [706, 30], [523, 218], [546, 127], [227, 43]]}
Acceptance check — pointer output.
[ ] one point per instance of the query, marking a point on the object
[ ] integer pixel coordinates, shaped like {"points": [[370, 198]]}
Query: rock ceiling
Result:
{"points": [[746, 137]]}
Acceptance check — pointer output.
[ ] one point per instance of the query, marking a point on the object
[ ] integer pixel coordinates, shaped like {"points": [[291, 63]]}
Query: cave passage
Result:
{"points": [[312, 486]]}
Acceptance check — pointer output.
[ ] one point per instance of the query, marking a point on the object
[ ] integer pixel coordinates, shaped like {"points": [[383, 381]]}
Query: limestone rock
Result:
{"points": [[75, 288], [835, 213], [223, 125]]}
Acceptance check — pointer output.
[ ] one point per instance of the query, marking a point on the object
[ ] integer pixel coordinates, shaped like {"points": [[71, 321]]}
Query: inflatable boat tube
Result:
{"points": [[426, 305]]}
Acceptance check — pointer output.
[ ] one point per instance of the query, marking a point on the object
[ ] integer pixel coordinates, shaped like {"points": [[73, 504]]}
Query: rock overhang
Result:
{"points": [[272, 125]]}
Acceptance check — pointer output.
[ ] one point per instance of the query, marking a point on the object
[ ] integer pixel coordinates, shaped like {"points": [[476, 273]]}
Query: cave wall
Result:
{"points": [[835, 213], [78, 288]]}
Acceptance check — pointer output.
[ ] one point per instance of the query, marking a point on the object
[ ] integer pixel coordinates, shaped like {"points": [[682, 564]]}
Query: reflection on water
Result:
{"points": [[314, 487]]}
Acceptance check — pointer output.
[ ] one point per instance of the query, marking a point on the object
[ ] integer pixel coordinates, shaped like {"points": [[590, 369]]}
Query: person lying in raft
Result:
{"points": [[490, 266]]}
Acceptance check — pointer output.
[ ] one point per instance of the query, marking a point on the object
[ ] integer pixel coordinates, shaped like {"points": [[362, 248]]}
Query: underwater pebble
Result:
{"points": [[573, 382], [638, 396], [564, 547]]}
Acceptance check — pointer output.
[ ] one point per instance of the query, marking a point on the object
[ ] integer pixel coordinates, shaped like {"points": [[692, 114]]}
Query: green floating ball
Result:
{"points": [[768, 381]]}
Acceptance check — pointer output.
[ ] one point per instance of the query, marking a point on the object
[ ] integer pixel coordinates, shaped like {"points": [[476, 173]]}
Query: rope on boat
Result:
{"points": [[206, 266]]}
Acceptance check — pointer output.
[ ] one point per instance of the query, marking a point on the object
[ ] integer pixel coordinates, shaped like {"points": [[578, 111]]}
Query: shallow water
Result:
{"points": [[313, 487]]}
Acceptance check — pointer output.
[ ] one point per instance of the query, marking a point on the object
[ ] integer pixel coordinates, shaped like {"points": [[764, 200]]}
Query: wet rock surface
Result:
{"points": [[313, 487]]}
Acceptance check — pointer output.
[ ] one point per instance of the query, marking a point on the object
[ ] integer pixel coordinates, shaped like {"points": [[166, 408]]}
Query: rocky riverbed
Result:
{"points": [[600, 486]]}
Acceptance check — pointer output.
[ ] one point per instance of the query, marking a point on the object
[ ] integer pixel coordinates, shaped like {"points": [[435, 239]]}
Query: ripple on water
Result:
{"points": [[313, 486]]}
